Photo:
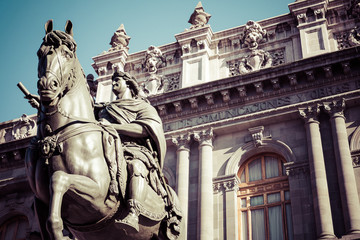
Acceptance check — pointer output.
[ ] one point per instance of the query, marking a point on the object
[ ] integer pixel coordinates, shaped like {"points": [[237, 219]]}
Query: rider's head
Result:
{"points": [[130, 82]]}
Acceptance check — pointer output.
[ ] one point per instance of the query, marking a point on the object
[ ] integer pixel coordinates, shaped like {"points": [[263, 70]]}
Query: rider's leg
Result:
{"points": [[137, 192]]}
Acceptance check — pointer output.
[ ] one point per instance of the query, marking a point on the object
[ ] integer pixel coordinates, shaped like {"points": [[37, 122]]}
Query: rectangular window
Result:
{"points": [[258, 224], [273, 197], [258, 200], [275, 223], [271, 167], [243, 203], [255, 170], [244, 226]]}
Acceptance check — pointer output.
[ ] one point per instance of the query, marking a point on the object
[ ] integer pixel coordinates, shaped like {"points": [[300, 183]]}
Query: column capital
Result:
{"points": [[335, 108], [204, 137], [181, 141], [310, 113]]}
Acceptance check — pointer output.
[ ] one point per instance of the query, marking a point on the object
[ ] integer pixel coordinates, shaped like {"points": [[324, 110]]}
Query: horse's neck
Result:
{"points": [[77, 102]]}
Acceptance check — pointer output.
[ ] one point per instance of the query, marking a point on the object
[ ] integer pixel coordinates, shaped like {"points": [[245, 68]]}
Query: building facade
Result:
{"points": [[262, 123]]}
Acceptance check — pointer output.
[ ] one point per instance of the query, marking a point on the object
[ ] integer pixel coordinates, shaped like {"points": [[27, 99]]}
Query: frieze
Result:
{"points": [[261, 106]]}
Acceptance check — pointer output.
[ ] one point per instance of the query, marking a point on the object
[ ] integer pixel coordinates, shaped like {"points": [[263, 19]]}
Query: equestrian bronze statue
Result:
{"points": [[96, 169]]}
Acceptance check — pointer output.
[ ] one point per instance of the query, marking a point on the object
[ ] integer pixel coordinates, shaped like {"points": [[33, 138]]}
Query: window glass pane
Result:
{"points": [[287, 195], [243, 202], [244, 226], [289, 222], [242, 177], [274, 197], [255, 170], [275, 223], [258, 200], [257, 224], [271, 167]]}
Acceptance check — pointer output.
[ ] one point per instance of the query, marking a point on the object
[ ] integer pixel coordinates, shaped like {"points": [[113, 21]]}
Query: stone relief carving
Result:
{"points": [[199, 18], [119, 40], [255, 61], [262, 58], [354, 9], [23, 128], [258, 58], [153, 61], [253, 35], [173, 82], [348, 39]]}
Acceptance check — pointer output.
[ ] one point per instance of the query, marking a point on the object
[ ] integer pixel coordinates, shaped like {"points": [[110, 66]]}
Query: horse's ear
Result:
{"points": [[69, 28], [48, 26]]}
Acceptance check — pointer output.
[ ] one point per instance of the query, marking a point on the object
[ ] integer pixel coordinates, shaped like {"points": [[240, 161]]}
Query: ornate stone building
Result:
{"points": [[262, 123]]}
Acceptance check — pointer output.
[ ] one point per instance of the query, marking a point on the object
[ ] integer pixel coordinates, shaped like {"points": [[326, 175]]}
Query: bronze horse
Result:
{"points": [[70, 163]]}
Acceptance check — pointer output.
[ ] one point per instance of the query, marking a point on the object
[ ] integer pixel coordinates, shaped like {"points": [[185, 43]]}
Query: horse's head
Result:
{"points": [[57, 59]]}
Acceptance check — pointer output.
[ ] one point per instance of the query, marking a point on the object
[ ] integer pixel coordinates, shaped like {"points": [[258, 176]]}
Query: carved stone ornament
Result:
{"points": [[154, 85], [257, 135], [354, 9], [253, 35], [257, 60], [354, 37], [120, 39], [153, 59], [24, 128], [199, 18]]}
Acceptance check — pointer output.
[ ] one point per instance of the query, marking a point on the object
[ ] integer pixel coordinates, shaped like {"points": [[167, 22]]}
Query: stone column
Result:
{"points": [[182, 174], [321, 200], [205, 184], [345, 170]]}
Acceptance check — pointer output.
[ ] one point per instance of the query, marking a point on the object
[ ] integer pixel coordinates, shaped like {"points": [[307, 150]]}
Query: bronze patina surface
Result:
{"points": [[96, 174]]}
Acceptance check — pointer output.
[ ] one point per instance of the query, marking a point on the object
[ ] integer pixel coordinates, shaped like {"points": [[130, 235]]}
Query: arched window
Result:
{"points": [[264, 209], [14, 229]]}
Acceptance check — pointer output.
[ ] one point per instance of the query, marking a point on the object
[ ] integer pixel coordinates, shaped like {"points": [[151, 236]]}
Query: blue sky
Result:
{"points": [[146, 22]]}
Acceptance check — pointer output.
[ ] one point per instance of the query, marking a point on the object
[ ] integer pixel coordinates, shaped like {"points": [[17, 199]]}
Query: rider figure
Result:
{"points": [[141, 133]]}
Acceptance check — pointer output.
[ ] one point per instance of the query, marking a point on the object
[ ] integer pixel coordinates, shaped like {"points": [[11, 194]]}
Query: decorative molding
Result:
{"points": [[257, 135], [178, 106], [193, 103], [310, 113], [297, 169], [181, 141], [204, 137], [209, 99], [24, 128], [335, 108], [226, 95], [226, 183], [173, 82], [248, 150]]}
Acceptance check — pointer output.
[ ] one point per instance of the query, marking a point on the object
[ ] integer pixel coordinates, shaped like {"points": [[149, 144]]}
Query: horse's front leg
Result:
{"points": [[59, 185], [88, 189]]}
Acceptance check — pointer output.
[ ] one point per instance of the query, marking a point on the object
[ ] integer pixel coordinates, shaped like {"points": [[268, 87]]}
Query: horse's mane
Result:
{"points": [[55, 39]]}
